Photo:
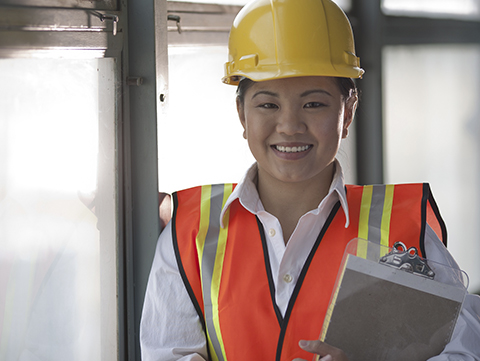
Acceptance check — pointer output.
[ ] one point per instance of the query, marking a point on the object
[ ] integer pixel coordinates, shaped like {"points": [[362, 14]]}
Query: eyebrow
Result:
{"points": [[266, 92], [308, 92], [304, 94]]}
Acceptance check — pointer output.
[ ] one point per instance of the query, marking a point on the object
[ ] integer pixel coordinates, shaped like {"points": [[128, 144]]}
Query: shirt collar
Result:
{"points": [[246, 192]]}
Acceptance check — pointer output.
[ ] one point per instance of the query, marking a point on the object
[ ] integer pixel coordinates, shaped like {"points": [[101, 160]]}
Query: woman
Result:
{"points": [[246, 271]]}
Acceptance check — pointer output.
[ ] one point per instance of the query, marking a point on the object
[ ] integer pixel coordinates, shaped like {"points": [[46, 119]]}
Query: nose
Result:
{"points": [[290, 122]]}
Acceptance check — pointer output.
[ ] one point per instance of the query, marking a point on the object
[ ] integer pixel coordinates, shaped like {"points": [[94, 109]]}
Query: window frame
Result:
{"points": [[373, 31], [77, 4], [50, 29]]}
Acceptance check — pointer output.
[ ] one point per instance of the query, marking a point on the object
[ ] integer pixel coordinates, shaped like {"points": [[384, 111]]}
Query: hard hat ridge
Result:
{"points": [[272, 39]]}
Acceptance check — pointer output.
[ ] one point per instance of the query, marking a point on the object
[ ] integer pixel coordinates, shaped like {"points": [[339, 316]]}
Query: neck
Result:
{"points": [[288, 201]]}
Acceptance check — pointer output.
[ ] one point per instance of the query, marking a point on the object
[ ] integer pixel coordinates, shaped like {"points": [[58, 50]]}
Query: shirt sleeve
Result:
{"points": [[464, 345], [170, 327]]}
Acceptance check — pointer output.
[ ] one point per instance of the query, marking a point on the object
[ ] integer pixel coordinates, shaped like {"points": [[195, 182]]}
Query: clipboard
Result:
{"points": [[385, 308]]}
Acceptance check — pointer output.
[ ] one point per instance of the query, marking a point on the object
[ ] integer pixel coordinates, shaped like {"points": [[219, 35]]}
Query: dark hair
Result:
{"points": [[242, 88], [347, 88]]}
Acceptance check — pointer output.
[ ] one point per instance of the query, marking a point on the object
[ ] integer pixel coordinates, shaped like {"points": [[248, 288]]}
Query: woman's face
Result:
{"points": [[294, 127]]}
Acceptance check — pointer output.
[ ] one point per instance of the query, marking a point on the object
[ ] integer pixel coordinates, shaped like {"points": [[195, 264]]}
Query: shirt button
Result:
{"points": [[287, 278], [271, 232]]}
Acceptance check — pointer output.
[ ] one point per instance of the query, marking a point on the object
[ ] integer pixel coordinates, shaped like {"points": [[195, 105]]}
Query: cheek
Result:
{"points": [[254, 128], [339, 123], [330, 128], [254, 136], [329, 134]]}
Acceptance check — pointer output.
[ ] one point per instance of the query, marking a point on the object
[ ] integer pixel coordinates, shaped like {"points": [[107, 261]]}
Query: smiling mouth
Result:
{"points": [[283, 149]]}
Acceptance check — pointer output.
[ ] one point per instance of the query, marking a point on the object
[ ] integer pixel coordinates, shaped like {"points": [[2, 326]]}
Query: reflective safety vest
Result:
{"points": [[227, 273]]}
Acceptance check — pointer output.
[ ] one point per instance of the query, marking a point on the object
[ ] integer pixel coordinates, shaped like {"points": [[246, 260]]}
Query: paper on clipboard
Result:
{"points": [[383, 313]]}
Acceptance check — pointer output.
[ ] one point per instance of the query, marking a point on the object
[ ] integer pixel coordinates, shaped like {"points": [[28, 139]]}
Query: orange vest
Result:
{"points": [[226, 269]]}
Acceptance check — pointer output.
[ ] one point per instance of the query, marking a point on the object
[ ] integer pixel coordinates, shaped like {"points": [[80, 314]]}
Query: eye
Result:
{"points": [[314, 105], [268, 106]]}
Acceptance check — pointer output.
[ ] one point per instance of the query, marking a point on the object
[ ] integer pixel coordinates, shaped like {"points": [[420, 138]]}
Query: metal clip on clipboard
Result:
{"points": [[408, 260]]}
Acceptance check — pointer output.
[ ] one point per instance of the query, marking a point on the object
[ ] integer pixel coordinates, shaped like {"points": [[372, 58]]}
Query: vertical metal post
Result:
{"points": [[142, 195], [368, 21]]}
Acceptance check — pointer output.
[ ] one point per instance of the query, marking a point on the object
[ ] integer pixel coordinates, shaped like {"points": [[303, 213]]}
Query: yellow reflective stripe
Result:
{"points": [[363, 220], [217, 270], [211, 243], [204, 221], [205, 202], [386, 217]]}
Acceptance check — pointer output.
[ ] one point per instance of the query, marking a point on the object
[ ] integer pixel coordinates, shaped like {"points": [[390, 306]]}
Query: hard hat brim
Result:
{"points": [[265, 73]]}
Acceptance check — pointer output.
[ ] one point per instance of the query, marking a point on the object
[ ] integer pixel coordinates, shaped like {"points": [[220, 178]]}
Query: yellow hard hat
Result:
{"points": [[272, 39]]}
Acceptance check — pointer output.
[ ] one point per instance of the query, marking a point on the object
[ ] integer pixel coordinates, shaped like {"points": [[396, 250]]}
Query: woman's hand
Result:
{"points": [[325, 351]]}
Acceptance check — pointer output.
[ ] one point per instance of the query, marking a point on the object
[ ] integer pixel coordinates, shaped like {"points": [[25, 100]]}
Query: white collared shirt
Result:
{"points": [[287, 260], [170, 327]]}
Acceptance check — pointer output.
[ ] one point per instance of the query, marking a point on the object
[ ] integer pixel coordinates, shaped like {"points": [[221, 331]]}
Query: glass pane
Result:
{"points": [[344, 4], [432, 134], [463, 9], [57, 210], [200, 138], [99, 4]]}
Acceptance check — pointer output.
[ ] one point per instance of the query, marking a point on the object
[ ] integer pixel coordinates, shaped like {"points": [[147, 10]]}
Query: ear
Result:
{"points": [[349, 114], [241, 116]]}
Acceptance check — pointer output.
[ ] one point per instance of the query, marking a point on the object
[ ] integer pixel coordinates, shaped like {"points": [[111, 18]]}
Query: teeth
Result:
{"points": [[291, 149]]}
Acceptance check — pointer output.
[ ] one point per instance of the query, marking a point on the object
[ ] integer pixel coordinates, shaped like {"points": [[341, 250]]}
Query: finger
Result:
{"points": [[326, 352], [315, 346]]}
